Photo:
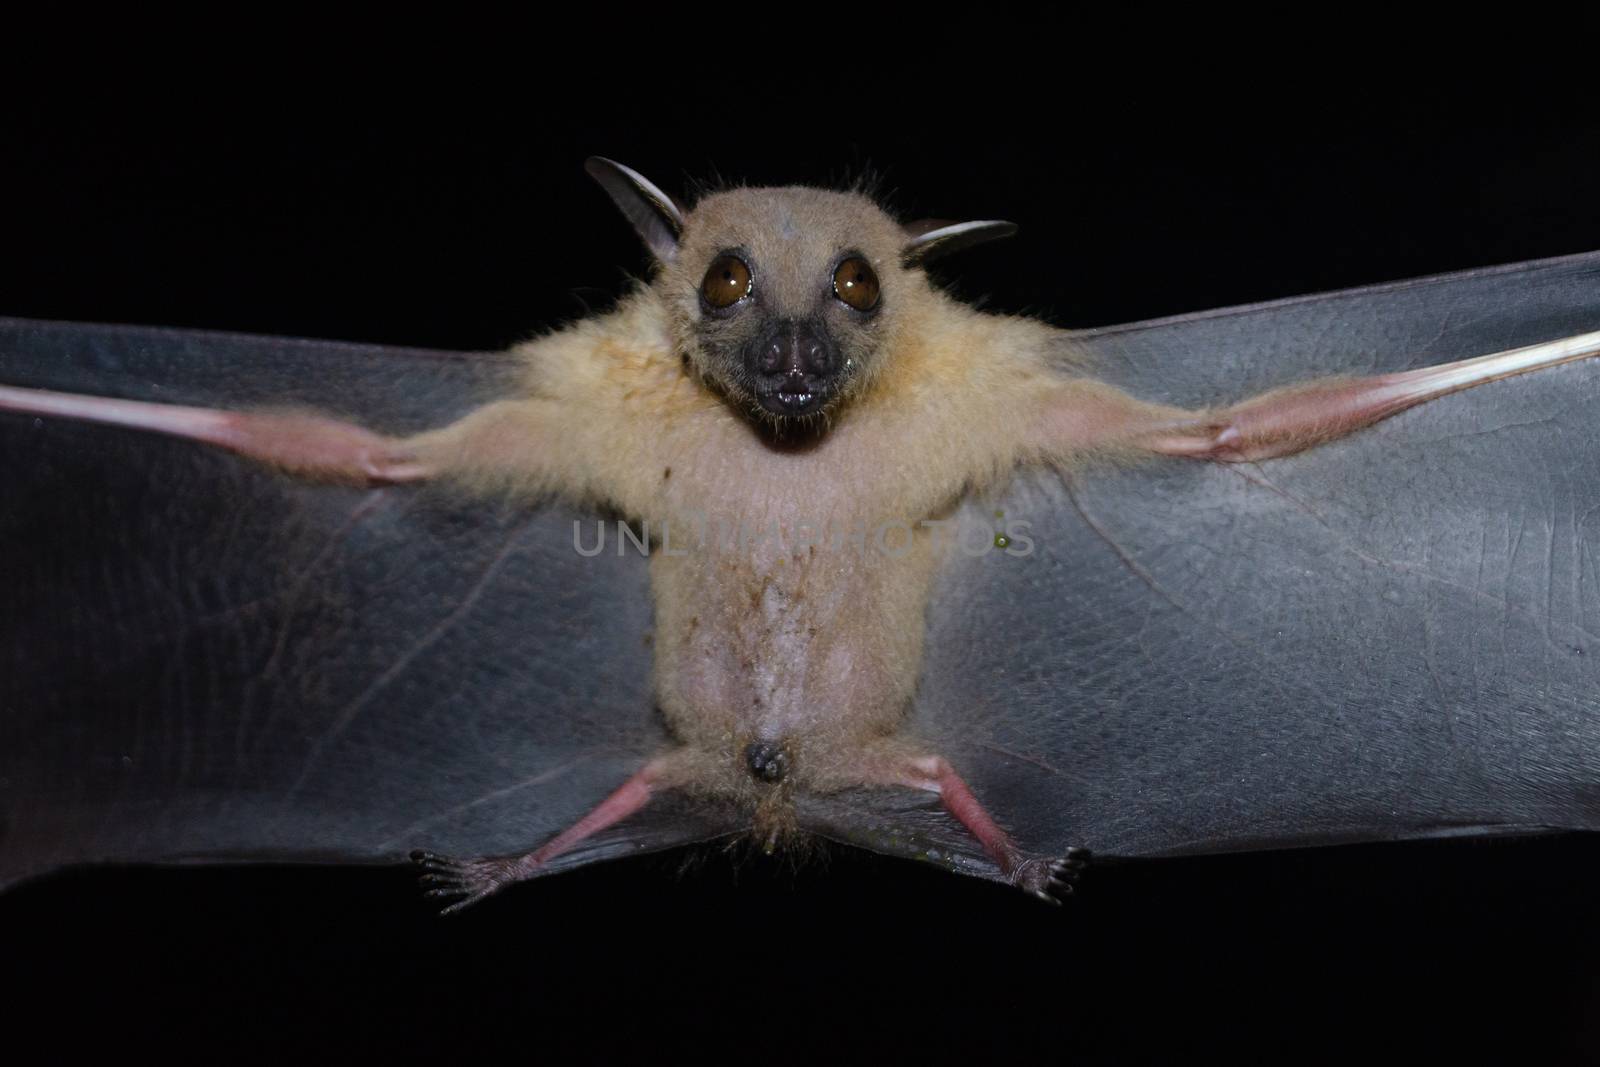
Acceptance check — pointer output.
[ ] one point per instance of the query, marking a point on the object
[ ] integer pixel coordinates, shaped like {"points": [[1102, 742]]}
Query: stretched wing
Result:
{"points": [[1396, 635], [202, 659]]}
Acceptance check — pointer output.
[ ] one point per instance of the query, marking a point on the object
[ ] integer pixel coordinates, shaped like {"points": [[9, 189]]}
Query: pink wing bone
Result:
{"points": [[311, 446], [1297, 417]]}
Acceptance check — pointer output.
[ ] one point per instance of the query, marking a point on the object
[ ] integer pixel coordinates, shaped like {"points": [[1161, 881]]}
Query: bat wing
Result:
{"points": [[1395, 635], [205, 660]]}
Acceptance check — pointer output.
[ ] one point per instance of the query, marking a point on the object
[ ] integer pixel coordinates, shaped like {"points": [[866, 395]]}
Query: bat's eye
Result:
{"points": [[855, 284], [726, 283]]}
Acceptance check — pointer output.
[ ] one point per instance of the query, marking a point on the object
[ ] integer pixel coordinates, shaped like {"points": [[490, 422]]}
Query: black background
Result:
{"points": [[338, 196]]}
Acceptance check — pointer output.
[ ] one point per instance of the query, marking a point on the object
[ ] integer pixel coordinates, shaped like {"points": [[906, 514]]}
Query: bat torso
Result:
{"points": [[791, 574], [790, 587]]}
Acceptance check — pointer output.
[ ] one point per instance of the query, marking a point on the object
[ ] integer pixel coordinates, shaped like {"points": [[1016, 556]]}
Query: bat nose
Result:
{"points": [[795, 367], [796, 349], [767, 761]]}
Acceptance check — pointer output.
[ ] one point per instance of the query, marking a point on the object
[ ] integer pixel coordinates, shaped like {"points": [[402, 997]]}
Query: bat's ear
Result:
{"points": [[652, 212], [931, 238]]}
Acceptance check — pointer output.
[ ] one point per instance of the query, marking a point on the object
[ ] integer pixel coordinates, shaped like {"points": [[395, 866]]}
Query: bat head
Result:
{"points": [[785, 300]]}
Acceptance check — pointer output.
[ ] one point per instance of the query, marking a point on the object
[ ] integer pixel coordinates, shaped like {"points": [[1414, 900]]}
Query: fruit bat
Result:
{"points": [[791, 543]]}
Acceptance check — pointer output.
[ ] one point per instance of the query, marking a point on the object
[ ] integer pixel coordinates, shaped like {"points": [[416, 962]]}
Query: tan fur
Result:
{"points": [[819, 647]]}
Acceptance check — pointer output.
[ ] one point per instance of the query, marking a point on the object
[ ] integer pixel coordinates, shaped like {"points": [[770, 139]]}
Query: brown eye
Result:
{"points": [[726, 283], [855, 284]]}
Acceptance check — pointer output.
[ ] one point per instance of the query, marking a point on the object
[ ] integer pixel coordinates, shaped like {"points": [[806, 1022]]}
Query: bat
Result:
{"points": [[408, 649]]}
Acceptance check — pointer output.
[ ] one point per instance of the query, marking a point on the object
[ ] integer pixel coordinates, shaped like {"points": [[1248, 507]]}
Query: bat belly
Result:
{"points": [[810, 648]]}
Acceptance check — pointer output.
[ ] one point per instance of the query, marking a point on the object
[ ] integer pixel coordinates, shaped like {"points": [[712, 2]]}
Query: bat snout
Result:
{"points": [[795, 368]]}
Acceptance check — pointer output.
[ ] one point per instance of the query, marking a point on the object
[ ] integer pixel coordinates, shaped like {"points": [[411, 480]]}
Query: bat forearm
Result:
{"points": [[1291, 420], [1083, 416], [522, 445], [311, 446], [1088, 416], [529, 447]]}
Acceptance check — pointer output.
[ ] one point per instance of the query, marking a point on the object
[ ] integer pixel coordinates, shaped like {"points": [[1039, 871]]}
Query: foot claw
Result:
{"points": [[1052, 880], [464, 882]]}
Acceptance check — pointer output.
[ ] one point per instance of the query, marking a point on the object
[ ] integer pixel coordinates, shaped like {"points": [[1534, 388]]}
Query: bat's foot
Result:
{"points": [[1051, 880], [463, 882]]}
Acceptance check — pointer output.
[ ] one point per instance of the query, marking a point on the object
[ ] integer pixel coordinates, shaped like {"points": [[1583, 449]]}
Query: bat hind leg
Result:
{"points": [[464, 882], [1049, 878]]}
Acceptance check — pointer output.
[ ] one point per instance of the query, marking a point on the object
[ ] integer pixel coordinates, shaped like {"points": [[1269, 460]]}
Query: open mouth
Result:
{"points": [[794, 397]]}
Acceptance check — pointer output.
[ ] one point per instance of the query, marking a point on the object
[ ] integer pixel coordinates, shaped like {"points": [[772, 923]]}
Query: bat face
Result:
{"points": [[783, 300]]}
